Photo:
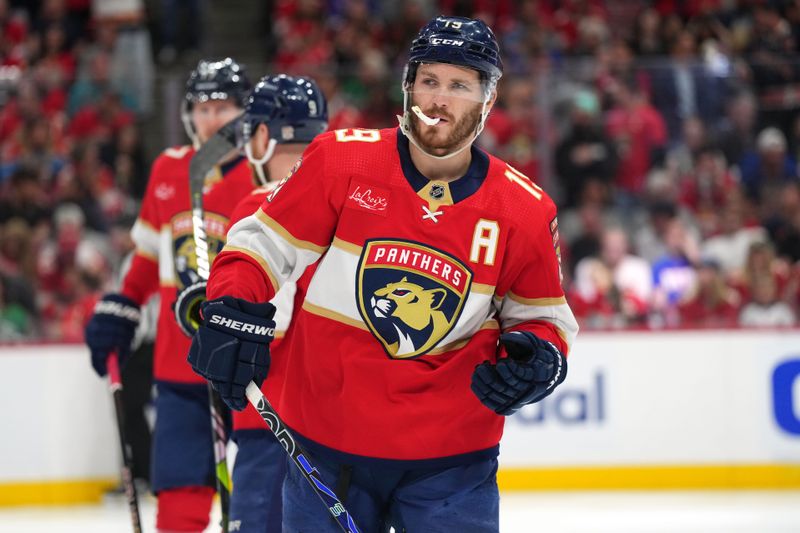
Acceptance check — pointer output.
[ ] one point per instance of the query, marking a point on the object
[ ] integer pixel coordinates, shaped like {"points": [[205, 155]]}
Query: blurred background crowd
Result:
{"points": [[667, 131]]}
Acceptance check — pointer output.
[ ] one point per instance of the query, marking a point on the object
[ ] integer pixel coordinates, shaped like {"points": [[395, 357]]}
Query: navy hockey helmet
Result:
{"points": [[293, 108], [214, 80], [458, 41], [218, 80]]}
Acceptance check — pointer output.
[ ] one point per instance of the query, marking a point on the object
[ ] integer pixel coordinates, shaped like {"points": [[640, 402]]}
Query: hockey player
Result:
{"points": [[282, 115], [434, 306], [165, 261]]}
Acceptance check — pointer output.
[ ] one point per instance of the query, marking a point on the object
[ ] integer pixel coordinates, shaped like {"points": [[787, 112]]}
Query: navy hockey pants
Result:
{"points": [[462, 498], [183, 455], [258, 474]]}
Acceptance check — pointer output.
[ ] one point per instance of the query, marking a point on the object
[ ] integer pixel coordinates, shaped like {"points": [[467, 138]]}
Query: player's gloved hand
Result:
{"points": [[231, 346], [111, 329], [533, 368], [187, 307]]}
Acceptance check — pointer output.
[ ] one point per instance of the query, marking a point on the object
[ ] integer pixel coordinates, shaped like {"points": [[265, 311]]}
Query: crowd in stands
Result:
{"points": [[667, 131]]}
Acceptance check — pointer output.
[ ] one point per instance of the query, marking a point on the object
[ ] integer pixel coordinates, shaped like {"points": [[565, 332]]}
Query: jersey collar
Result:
{"points": [[230, 165], [461, 188]]}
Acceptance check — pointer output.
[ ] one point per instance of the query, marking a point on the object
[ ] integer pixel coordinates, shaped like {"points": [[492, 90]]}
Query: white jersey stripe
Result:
{"points": [[288, 237], [146, 238], [560, 315], [283, 257]]}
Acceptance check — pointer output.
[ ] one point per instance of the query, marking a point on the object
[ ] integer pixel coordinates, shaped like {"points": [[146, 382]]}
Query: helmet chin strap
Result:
{"points": [[186, 119], [258, 164], [405, 127]]}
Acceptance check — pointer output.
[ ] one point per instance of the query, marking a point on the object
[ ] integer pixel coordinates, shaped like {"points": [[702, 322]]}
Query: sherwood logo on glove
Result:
{"points": [[241, 326], [117, 309]]}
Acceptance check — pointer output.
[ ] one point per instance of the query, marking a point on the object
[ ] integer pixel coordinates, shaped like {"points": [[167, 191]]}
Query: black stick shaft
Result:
{"points": [[220, 443], [115, 382], [300, 459]]}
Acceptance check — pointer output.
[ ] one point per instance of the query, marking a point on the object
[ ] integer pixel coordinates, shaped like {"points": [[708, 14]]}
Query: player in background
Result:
{"points": [[165, 262], [282, 116], [434, 308]]}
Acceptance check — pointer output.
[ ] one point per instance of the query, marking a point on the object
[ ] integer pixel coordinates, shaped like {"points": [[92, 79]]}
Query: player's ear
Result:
{"points": [[262, 134], [490, 102]]}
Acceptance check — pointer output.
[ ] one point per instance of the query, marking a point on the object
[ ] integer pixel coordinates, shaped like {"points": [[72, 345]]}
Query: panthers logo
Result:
{"points": [[184, 256], [410, 295]]}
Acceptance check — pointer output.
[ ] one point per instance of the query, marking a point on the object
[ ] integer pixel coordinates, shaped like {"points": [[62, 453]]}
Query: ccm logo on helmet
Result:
{"points": [[449, 42], [241, 326]]}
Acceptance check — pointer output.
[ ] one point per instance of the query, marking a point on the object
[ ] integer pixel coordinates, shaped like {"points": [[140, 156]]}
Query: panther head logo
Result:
{"points": [[410, 295], [413, 313]]}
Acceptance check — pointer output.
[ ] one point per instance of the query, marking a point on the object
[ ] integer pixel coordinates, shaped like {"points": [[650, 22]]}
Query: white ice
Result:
{"points": [[540, 512]]}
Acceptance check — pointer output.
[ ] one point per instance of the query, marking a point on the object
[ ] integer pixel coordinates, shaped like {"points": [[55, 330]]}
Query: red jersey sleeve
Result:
{"points": [[535, 300], [290, 231], [141, 281]]}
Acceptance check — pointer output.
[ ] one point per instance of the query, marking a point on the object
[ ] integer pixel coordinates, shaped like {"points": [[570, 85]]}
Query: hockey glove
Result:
{"points": [[111, 329], [231, 346], [532, 370], [187, 307]]}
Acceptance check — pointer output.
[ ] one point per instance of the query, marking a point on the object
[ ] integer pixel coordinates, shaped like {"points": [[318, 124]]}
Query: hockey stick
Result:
{"points": [[202, 161], [115, 384], [198, 168]]}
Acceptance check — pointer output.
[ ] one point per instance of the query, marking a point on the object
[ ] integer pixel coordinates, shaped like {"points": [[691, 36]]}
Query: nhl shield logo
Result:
{"points": [[410, 295]]}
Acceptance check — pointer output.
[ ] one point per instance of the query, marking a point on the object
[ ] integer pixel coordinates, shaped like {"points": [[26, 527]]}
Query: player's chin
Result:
{"points": [[438, 149]]}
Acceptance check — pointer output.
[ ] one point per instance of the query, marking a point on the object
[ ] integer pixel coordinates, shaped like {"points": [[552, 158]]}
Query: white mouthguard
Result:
{"points": [[423, 117]]}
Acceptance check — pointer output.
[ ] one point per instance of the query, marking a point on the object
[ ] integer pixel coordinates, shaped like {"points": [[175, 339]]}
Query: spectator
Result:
{"points": [[771, 54], [25, 197], [674, 273], [737, 132], [681, 158], [132, 66], [639, 135], [647, 33], [585, 153], [784, 224], [765, 171], [191, 17], [15, 322], [730, 245], [520, 147], [614, 288], [705, 188], [124, 154], [765, 310], [710, 302], [16, 250], [586, 223], [683, 88], [761, 263], [94, 81]]}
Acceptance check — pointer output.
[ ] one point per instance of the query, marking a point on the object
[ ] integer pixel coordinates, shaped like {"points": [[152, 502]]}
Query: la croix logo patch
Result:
{"points": [[410, 295], [373, 199]]}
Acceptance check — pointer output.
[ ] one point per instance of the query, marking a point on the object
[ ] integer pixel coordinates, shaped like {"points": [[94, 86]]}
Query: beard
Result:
{"points": [[430, 138]]}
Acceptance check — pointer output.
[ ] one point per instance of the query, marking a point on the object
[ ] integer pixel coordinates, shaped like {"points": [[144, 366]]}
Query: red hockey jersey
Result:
{"points": [[414, 281], [165, 260], [284, 302]]}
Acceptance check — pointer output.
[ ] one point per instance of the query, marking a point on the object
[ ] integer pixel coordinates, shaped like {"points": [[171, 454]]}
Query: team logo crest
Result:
{"points": [[410, 295], [185, 257]]}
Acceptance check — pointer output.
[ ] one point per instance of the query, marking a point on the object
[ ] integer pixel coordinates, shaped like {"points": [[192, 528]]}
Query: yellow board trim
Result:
{"points": [[671, 477], [55, 492], [668, 477]]}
